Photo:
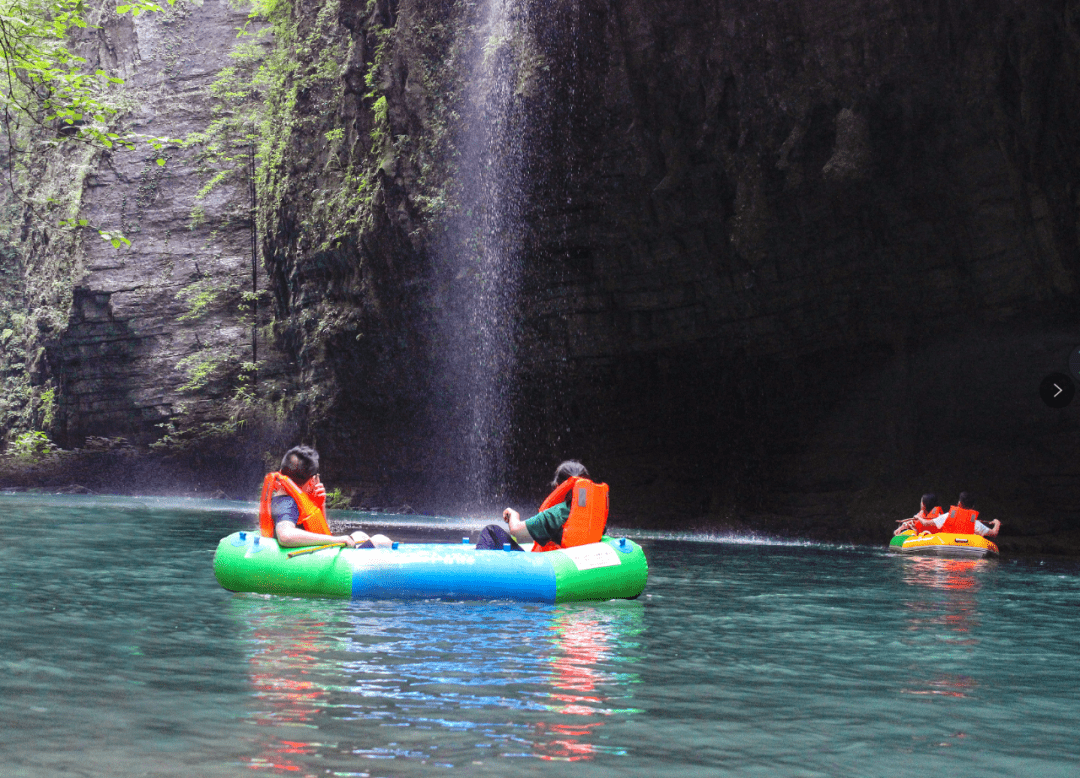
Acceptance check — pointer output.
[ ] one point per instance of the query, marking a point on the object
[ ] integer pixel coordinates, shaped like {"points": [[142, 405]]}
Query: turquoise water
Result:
{"points": [[121, 656]]}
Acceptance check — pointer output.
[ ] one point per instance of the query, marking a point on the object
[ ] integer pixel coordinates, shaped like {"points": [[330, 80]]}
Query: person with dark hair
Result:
{"points": [[293, 505], [929, 509], [575, 513], [962, 519]]}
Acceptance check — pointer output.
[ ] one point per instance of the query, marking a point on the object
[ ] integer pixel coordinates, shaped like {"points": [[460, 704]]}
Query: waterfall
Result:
{"points": [[481, 255]]}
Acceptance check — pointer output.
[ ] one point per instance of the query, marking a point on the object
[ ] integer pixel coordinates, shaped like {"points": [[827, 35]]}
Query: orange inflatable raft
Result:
{"points": [[943, 544]]}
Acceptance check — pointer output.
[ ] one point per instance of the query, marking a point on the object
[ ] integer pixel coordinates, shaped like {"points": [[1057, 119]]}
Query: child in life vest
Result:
{"points": [[928, 510]]}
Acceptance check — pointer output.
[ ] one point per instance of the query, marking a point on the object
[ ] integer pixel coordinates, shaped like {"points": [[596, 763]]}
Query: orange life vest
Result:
{"points": [[961, 521], [923, 520], [312, 517], [923, 517], [588, 513]]}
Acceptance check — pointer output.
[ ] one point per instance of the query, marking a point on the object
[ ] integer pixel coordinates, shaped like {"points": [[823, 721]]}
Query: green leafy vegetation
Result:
{"points": [[48, 96], [46, 82], [47, 403], [336, 499], [58, 115], [32, 447], [201, 295]]}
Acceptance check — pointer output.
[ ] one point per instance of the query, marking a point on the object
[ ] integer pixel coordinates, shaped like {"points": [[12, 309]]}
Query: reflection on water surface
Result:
{"points": [[739, 659], [945, 619], [514, 680]]}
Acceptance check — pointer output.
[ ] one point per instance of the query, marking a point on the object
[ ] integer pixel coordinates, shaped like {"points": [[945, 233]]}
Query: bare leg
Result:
{"points": [[378, 541]]}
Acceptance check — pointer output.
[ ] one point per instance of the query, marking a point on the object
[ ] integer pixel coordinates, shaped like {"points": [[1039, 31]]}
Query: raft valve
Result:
{"points": [[506, 546], [464, 541], [394, 545]]}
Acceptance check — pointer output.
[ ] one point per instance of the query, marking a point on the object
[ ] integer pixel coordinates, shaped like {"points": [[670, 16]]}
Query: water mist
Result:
{"points": [[480, 258]]}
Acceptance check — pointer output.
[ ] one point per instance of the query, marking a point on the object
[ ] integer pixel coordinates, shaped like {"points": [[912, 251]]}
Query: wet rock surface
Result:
{"points": [[156, 330], [788, 266]]}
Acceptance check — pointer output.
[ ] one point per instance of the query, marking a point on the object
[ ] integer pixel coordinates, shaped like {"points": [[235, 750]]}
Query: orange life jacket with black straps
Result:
{"points": [[588, 513], [312, 517], [923, 520], [961, 521]]}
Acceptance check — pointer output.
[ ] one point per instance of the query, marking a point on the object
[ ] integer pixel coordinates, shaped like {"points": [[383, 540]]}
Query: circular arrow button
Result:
{"points": [[1057, 390], [1074, 362]]}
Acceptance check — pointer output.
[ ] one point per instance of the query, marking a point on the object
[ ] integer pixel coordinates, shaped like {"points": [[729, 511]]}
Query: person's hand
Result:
{"points": [[348, 540], [510, 514], [314, 489]]}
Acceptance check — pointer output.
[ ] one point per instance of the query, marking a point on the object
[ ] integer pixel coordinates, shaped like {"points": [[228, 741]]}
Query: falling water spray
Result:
{"points": [[481, 257]]}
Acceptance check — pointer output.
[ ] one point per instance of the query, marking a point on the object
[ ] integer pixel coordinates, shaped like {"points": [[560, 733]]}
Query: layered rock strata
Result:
{"points": [[156, 335]]}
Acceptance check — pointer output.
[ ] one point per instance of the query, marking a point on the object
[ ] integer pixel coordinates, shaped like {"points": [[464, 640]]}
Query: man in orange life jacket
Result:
{"points": [[962, 519], [292, 506], [545, 529]]}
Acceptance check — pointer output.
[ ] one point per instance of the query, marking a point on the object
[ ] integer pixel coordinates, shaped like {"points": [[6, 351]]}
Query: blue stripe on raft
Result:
{"points": [[451, 571]]}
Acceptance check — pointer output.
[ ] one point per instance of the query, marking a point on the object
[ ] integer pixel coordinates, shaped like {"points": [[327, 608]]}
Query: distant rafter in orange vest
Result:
{"points": [[961, 521], [934, 513]]}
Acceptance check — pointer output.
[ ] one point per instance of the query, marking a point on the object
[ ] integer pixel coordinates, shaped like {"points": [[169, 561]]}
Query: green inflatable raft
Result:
{"points": [[610, 569]]}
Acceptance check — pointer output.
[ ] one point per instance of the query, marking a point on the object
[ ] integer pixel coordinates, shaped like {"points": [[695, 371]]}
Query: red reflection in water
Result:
{"points": [[582, 642], [943, 573], [288, 664], [947, 686], [565, 741], [277, 673], [954, 608]]}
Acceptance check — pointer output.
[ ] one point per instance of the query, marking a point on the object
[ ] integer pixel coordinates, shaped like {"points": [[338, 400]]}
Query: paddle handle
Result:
{"points": [[291, 554]]}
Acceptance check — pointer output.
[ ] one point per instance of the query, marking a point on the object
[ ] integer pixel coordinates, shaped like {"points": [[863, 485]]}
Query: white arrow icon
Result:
{"points": [[1059, 390]]}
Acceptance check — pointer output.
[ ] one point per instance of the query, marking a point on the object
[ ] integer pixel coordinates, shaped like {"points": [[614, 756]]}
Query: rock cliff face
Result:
{"points": [[157, 341], [794, 238], [798, 260], [802, 260]]}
